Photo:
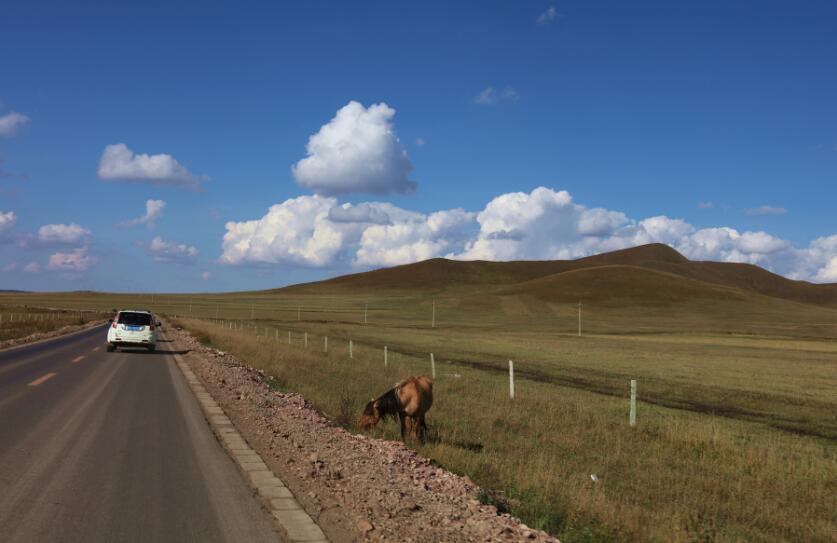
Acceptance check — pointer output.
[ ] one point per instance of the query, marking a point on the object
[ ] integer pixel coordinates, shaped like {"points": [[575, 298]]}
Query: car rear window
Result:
{"points": [[135, 319]]}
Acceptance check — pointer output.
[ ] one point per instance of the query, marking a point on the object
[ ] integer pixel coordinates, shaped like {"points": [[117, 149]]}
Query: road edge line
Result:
{"points": [[296, 523]]}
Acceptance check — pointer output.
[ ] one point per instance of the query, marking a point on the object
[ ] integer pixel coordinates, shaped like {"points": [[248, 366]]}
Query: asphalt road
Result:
{"points": [[98, 446]]}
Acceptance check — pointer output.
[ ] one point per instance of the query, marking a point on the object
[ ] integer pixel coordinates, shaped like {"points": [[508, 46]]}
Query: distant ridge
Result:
{"points": [[655, 265]]}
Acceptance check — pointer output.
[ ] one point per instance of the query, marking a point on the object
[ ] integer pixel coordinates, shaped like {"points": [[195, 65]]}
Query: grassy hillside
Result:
{"points": [[440, 275]]}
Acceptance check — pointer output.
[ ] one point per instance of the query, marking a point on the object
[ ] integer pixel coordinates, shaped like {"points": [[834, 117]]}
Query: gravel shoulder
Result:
{"points": [[355, 487]]}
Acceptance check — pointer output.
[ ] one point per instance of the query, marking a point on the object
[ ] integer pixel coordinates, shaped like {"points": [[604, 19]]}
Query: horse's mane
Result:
{"points": [[388, 405]]}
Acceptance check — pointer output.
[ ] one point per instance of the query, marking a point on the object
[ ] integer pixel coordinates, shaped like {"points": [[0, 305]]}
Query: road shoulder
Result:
{"points": [[355, 487], [293, 521]]}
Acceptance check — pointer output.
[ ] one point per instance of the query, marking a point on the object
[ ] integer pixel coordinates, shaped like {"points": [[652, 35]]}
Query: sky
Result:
{"points": [[215, 146]]}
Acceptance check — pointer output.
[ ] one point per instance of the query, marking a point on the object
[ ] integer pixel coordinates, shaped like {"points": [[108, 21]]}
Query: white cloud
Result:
{"points": [[206, 275], [767, 210], [548, 16], [420, 142], [166, 251], [60, 234], [153, 211], [7, 220], [11, 122], [828, 273], [429, 236], [370, 213], [357, 151], [119, 163], [75, 261], [489, 96], [32, 267], [705, 205], [316, 231]]}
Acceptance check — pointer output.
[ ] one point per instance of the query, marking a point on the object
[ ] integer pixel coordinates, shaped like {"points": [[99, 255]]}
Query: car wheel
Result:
{"points": [[151, 348], [111, 348]]}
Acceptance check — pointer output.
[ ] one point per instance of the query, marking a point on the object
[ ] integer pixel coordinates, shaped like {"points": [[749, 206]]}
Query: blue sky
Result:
{"points": [[708, 125]]}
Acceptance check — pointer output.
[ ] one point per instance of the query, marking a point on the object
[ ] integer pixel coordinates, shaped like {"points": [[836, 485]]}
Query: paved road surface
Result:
{"points": [[98, 446]]}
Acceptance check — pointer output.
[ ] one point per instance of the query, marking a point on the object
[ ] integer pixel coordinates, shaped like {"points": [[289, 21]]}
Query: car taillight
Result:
{"points": [[151, 327], [114, 325]]}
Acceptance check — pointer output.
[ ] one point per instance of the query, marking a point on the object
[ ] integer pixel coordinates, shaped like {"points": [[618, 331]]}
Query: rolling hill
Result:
{"points": [[655, 272]]}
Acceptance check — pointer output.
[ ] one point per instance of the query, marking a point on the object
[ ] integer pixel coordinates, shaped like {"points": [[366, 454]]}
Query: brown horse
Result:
{"points": [[409, 400]]}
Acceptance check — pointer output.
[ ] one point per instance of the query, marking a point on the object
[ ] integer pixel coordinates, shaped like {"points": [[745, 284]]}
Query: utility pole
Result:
{"points": [[579, 319], [365, 312], [433, 318]]}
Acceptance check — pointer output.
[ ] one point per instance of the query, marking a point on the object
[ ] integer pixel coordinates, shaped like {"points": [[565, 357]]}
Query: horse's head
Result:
{"points": [[371, 415]]}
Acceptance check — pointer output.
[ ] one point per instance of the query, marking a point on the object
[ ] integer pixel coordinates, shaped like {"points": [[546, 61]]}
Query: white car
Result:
{"points": [[133, 328]]}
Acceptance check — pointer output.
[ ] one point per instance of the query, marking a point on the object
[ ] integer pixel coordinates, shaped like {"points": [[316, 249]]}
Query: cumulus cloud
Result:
{"points": [[11, 122], [153, 211], [316, 231], [62, 234], [74, 261], [490, 96], [548, 16], [32, 267], [119, 163], [370, 213], [166, 251], [427, 236], [767, 210], [7, 220], [356, 151]]}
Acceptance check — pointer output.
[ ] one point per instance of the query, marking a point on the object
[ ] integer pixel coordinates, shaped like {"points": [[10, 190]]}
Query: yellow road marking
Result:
{"points": [[41, 379], [95, 349], [76, 359]]}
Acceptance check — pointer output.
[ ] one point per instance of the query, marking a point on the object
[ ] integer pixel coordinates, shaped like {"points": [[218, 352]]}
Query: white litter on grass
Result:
{"points": [[594, 477]]}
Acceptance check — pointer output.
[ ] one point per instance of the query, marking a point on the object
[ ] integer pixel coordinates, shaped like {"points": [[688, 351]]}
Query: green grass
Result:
{"points": [[737, 423]]}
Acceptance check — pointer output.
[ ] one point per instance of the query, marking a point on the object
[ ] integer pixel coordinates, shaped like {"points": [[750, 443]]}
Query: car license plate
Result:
{"points": [[134, 328]]}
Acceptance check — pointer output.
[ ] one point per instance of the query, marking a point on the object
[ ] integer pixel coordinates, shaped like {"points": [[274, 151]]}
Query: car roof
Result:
{"points": [[134, 311]]}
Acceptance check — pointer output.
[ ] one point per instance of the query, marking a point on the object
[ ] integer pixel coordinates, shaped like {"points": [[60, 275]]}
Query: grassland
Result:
{"points": [[737, 425], [18, 321]]}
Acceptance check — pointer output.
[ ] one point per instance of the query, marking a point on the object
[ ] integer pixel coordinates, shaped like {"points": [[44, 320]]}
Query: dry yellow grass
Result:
{"points": [[678, 476], [737, 431], [17, 322]]}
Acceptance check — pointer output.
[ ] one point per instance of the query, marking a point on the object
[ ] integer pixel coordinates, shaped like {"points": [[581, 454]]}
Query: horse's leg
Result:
{"points": [[422, 429], [415, 427], [402, 421]]}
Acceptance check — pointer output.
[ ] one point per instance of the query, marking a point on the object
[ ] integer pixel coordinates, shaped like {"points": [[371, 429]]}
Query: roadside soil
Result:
{"points": [[39, 336], [355, 487]]}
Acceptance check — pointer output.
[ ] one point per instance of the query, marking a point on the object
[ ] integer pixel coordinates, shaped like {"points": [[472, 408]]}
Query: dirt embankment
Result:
{"points": [[357, 488]]}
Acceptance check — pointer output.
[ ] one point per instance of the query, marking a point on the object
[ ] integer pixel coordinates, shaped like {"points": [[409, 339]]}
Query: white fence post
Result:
{"points": [[432, 365], [350, 349], [385, 356], [511, 380], [325, 344], [632, 416], [306, 340], [289, 337]]}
